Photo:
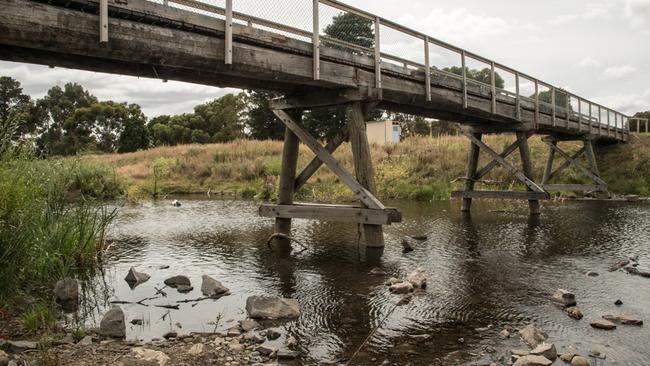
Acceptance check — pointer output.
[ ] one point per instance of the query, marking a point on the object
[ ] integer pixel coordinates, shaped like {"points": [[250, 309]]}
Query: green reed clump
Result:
{"points": [[49, 225]]}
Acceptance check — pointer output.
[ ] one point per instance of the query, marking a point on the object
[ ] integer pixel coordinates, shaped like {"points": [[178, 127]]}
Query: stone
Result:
{"points": [[420, 237], [266, 350], [235, 346], [504, 334], [405, 299], [564, 298], [603, 324], [401, 288], [618, 302], [248, 325], [150, 355], [592, 274], [135, 278], [393, 280], [624, 319], [567, 356], [254, 337], [285, 354], [85, 341], [417, 278], [532, 336], [378, 272], [291, 341], [574, 313], [545, 349], [580, 361], [171, 334], [233, 332], [272, 334], [212, 287], [4, 358], [196, 349], [21, 346], [137, 321], [533, 360], [183, 289], [272, 307], [597, 354], [520, 352], [176, 281], [408, 244], [66, 293], [113, 323], [618, 265]]}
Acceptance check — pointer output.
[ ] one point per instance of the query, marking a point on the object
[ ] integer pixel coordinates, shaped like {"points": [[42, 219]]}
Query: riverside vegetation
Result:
{"points": [[419, 168]]}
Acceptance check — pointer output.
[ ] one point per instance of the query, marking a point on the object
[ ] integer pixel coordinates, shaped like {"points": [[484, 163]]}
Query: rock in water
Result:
{"points": [[113, 324], [564, 298], [603, 324], [212, 287], [4, 358], [401, 288], [176, 281], [533, 360], [134, 278], [532, 336], [272, 307], [624, 319], [618, 302], [417, 278], [579, 361], [545, 349], [408, 244], [248, 325], [66, 292], [574, 313]]}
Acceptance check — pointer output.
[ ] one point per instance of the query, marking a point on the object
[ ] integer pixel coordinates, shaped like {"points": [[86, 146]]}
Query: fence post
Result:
{"points": [[517, 99], [536, 104], [493, 81], [228, 32], [378, 56], [579, 114], [464, 72], [427, 69], [103, 21], [316, 39], [553, 103]]}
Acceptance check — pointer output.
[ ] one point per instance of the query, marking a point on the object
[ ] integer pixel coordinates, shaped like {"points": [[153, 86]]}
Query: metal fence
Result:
{"points": [[331, 23]]}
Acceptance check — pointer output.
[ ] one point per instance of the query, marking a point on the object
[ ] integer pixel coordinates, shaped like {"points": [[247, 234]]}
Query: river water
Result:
{"points": [[493, 269]]}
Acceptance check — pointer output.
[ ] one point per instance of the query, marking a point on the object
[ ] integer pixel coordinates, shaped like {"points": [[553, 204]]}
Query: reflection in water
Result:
{"points": [[496, 267]]}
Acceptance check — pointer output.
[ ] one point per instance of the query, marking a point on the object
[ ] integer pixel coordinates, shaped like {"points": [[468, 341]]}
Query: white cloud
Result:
{"points": [[593, 11], [618, 72], [637, 13], [627, 103], [588, 62]]}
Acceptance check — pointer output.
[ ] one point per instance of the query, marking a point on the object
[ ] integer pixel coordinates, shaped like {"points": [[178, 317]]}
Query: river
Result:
{"points": [[493, 269]]}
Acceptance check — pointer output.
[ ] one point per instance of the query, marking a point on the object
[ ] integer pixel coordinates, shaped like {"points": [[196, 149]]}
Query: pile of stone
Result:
{"points": [[416, 280]]}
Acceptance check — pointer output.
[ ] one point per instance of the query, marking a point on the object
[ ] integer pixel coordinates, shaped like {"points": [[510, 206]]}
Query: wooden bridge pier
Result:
{"points": [[371, 214], [599, 187], [534, 193]]}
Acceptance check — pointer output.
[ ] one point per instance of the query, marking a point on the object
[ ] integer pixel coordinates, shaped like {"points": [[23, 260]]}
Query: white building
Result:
{"points": [[383, 132]]}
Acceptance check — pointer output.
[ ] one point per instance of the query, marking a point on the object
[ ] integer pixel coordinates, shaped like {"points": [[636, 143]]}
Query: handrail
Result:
{"points": [[379, 22]]}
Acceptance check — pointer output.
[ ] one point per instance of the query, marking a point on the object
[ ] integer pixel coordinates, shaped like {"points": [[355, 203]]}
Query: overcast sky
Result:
{"points": [[599, 49]]}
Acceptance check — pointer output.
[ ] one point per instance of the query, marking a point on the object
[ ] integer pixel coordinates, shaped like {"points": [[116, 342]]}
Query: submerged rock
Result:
{"points": [[171, 334], [401, 288], [212, 287], [618, 265], [272, 307], [603, 324], [618, 302], [248, 325], [574, 313], [532, 336], [567, 357], [417, 278], [176, 281], [134, 278], [579, 361], [405, 299], [533, 360], [408, 244], [624, 319], [564, 298], [183, 289], [66, 292], [113, 323]]}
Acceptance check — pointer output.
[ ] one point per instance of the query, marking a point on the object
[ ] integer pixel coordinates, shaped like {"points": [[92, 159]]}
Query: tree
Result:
{"points": [[353, 29], [55, 109], [483, 76], [260, 122], [560, 98], [16, 109]]}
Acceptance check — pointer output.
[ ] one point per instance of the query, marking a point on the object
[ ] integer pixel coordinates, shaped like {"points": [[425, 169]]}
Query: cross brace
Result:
{"points": [[572, 160]]}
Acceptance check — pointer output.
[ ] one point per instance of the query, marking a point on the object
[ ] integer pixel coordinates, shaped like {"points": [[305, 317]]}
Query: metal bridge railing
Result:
{"points": [[335, 24]]}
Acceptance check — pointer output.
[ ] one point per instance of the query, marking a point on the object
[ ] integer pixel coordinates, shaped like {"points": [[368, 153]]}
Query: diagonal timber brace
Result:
{"points": [[572, 160]]}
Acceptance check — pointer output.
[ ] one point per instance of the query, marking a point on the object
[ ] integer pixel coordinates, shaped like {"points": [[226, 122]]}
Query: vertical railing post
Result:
{"points": [[609, 122], [463, 62], [103, 21], [568, 108], [228, 32], [427, 69], [638, 126], [591, 119], [517, 98], [553, 104], [579, 114], [536, 104], [647, 129], [493, 84], [378, 56], [316, 38]]}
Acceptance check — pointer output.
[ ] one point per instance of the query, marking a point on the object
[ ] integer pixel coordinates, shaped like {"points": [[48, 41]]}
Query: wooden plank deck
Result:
{"points": [[156, 41]]}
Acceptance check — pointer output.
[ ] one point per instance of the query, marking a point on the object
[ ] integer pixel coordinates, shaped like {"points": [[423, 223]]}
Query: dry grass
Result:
{"points": [[418, 168]]}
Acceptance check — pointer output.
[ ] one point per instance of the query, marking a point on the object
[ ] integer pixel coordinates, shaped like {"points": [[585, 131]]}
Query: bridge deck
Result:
{"points": [[153, 40]]}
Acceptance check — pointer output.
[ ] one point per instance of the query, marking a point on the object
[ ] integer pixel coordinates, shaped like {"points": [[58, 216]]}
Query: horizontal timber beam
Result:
{"points": [[336, 213], [505, 195], [574, 188]]}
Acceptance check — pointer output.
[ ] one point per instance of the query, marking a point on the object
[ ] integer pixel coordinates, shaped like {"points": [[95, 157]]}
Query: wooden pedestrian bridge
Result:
{"points": [[302, 49]]}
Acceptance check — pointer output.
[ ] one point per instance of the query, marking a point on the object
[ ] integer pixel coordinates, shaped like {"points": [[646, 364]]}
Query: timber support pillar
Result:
{"points": [[534, 192], [599, 186], [371, 214]]}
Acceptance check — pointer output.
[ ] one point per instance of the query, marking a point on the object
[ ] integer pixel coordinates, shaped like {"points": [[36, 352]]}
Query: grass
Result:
{"points": [[420, 168]]}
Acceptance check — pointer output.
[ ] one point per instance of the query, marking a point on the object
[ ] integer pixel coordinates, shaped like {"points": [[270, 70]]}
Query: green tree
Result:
{"points": [[16, 109], [353, 29], [260, 121], [56, 108], [221, 118], [483, 76], [560, 98]]}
